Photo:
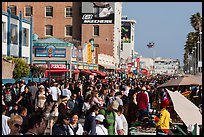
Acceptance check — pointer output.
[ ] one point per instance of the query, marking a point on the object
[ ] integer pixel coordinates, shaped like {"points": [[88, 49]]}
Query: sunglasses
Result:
{"points": [[17, 125]]}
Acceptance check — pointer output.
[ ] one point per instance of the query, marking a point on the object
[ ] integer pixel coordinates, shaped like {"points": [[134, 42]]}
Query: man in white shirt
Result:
{"points": [[5, 128], [66, 92], [100, 129], [123, 120], [55, 92]]}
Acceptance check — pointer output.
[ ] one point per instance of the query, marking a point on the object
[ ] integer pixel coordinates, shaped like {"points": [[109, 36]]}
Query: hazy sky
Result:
{"points": [[165, 23]]}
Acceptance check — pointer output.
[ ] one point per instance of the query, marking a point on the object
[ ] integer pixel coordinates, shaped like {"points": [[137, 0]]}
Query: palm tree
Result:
{"points": [[192, 38], [196, 21]]}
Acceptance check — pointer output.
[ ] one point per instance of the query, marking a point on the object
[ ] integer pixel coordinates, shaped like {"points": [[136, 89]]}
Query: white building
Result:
{"points": [[13, 43], [166, 66], [147, 63], [127, 38]]}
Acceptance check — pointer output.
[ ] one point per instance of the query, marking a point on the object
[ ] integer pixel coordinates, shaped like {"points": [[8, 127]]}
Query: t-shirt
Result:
{"points": [[26, 99], [110, 117], [55, 92], [101, 130], [66, 92], [5, 128]]}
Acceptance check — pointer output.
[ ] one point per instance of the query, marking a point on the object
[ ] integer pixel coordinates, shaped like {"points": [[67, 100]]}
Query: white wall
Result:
{"points": [[117, 31]]}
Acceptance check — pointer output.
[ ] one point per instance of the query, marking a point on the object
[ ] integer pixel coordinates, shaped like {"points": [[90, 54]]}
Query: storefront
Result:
{"points": [[55, 55]]}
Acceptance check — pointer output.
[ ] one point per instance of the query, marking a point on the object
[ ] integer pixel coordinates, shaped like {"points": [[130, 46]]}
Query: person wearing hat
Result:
{"points": [[164, 119], [40, 98], [100, 128], [62, 108], [142, 103], [111, 117]]}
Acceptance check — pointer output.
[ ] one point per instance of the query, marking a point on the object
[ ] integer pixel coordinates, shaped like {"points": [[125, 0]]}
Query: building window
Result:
{"points": [[13, 9], [96, 30], [49, 11], [49, 30], [25, 37], [14, 34], [68, 30], [28, 11], [3, 31], [68, 11]]}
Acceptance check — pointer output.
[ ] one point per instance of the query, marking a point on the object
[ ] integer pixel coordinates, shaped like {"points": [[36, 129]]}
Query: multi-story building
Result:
{"points": [[51, 19], [77, 23], [16, 36], [166, 66], [101, 23], [127, 38]]}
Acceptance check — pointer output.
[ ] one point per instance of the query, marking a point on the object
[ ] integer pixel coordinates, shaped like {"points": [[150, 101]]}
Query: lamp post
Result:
{"points": [[49, 79], [200, 48]]}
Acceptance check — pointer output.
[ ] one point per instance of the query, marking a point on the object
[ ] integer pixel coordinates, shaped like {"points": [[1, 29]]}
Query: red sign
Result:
{"points": [[57, 66], [52, 66], [144, 71], [138, 64]]}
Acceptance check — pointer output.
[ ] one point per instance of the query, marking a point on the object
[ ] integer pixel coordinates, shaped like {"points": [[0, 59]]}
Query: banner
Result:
{"points": [[89, 58]]}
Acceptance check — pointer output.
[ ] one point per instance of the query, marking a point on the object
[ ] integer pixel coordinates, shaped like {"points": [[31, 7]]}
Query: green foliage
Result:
{"points": [[21, 68], [196, 21], [37, 71]]}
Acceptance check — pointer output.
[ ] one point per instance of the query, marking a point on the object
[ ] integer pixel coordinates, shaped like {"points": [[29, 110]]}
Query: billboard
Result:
{"points": [[97, 12], [126, 32]]}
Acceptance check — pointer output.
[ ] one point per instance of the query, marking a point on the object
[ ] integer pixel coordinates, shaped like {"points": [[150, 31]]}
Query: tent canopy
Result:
{"points": [[186, 80], [187, 111]]}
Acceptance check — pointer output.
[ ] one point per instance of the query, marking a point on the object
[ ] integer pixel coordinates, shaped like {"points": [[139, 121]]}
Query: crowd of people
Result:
{"points": [[108, 107]]}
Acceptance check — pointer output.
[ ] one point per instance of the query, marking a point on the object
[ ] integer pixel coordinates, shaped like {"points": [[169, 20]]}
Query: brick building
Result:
{"points": [[64, 20], [50, 19]]}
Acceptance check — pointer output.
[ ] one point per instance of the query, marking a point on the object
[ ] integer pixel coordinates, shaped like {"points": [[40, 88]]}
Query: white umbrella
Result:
{"points": [[187, 111]]}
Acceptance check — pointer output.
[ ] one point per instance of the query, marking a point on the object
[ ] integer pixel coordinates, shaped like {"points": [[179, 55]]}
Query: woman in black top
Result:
{"points": [[25, 99]]}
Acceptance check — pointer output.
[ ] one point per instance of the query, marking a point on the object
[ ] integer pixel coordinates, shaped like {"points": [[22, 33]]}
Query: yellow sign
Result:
{"points": [[89, 58]]}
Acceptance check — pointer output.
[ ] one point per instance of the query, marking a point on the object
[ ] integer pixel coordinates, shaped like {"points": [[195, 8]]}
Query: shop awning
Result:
{"points": [[86, 71], [75, 71], [99, 72], [57, 70]]}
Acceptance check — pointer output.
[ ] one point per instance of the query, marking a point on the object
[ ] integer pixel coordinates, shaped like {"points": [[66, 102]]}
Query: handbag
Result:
{"points": [[54, 111]]}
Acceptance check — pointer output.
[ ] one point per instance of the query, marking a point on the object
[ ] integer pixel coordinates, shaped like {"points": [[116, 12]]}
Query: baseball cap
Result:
{"points": [[115, 105], [100, 117]]}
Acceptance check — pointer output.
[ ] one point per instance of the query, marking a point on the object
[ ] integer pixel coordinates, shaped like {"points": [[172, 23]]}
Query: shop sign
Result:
{"points": [[89, 60], [86, 67], [80, 67], [57, 66], [90, 67], [50, 51], [41, 65]]}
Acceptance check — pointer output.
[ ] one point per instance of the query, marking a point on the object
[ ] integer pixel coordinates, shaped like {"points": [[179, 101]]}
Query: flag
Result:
{"points": [[150, 45]]}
